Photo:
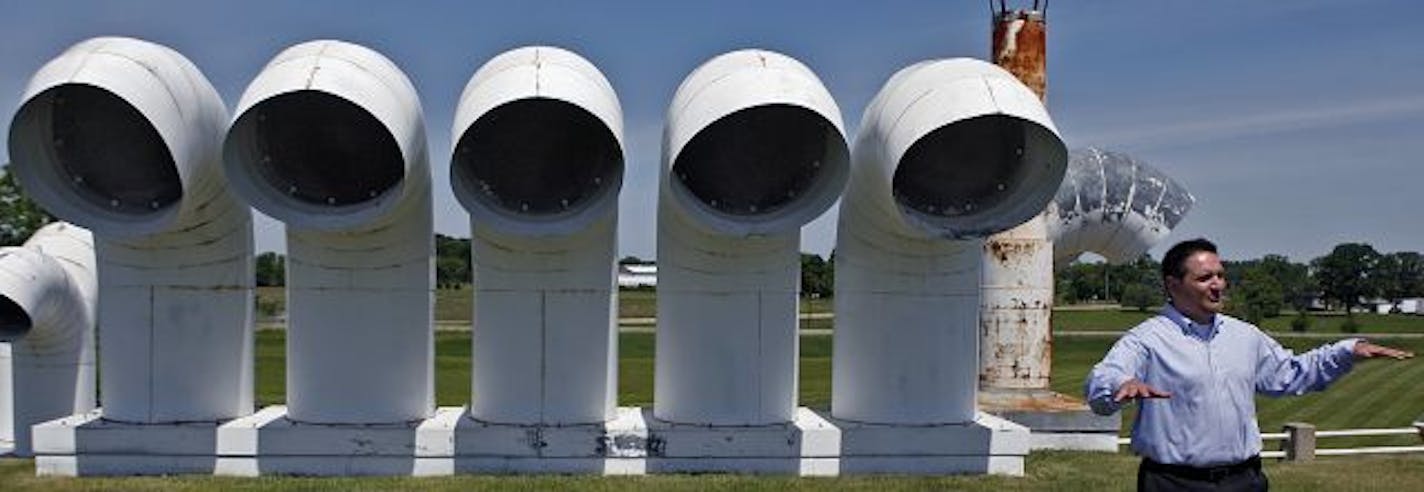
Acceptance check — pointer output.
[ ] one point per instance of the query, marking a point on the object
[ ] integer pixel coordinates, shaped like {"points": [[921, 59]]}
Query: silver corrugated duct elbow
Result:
{"points": [[538, 163], [1113, 205], [122, 137], [753, 150], [47, 313], [949, 152], [328, 138]]}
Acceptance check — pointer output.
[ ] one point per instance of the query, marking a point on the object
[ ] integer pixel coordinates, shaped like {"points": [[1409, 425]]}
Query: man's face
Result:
{"points": [[1198, 292]]}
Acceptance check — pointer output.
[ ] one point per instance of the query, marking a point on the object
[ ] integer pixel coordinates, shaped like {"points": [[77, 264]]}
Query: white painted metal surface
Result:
{"points": [[328, 138], [1114, 205], [47, 302], [949, 152], [754, 149], [538, 163], [121, 136]]}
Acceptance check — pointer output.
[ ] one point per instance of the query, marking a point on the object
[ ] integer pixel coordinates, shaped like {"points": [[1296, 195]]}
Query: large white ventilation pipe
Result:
{"points": [[949, 152], [754, 149], [1114, 205], [122, 137], [47, 312], [328, 138], [538, 162]]}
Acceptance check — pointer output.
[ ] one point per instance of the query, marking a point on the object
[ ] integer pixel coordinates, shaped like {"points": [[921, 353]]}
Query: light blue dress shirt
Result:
{"points": [[1213, 372]]}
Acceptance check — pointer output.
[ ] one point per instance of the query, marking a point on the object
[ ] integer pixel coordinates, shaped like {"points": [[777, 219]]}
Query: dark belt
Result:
{"points": [[1208, 473]]}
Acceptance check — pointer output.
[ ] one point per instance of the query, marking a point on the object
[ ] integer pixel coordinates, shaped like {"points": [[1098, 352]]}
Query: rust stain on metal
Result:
{"points": [[1020, 41]]}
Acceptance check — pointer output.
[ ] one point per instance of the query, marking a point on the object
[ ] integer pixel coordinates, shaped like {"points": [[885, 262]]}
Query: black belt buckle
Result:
{"points": [[1217, 473]]}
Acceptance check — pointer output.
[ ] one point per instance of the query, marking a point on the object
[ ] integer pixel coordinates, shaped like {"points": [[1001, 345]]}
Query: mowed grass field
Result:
{"points": [[1376, 394]]}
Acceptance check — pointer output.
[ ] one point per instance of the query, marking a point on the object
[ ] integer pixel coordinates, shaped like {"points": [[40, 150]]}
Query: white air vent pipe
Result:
{"points": [[47, 309], [328, 139], [949, 152], [122, 137], [1114, 205], [754, 149], [538, 162]]}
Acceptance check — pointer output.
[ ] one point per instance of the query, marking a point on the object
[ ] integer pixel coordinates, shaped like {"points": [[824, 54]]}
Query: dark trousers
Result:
{"points": [[1243, 476]]}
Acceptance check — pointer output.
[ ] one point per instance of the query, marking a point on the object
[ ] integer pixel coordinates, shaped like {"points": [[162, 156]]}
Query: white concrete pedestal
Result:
{"points": [[86, 444], [809, 445], [987, 445], [450, 442]]}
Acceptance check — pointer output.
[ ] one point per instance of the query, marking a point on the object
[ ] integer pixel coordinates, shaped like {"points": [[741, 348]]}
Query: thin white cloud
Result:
{"points": [[1144, 134]]}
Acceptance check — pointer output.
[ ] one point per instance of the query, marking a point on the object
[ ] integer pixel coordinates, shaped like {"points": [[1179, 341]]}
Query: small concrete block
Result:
{"points": [[122, 465], [525, 465], [808, 436], [1096, 441], [987, 435], [987, 445], [269, 433], [88, 434], [806, 467], [625, 436], [932, 465]]}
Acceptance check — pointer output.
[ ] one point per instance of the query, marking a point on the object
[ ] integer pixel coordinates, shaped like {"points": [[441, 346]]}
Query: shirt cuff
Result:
{"points": [[1345, 350]]}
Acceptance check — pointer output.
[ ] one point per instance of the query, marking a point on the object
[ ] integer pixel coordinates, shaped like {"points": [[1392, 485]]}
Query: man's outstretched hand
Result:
{"points": [[1133, 389], [1367, 350]]}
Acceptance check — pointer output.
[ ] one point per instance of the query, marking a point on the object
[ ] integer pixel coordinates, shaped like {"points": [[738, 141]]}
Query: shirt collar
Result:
{"points": [[1189, 327]]}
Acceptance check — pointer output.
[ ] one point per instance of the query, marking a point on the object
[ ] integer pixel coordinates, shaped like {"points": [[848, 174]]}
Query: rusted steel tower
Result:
{"points": [[1016, 296]]}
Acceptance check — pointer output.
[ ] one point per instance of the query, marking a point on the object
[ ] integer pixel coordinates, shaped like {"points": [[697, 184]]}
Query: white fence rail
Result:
{"points": [[1299, 441]]}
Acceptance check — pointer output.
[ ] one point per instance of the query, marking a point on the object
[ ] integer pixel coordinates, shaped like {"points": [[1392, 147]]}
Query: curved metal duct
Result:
{"points": [[949, 152], [754, 149], [121, 136], [538, 163], [1113, 205], [47, 313], [328, 138]]}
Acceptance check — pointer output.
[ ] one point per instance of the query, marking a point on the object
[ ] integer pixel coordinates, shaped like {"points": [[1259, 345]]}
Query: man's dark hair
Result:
{"points": [[1174, 262]]}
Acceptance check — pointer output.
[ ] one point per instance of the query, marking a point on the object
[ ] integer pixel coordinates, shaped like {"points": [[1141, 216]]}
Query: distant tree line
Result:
{"points": [[1263, 287]]}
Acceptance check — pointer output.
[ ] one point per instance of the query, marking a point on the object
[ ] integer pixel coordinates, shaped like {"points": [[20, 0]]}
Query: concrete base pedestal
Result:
{"points": [[1057, 421], [86, 444], [451, 442], [809, 445], [987, 445]]}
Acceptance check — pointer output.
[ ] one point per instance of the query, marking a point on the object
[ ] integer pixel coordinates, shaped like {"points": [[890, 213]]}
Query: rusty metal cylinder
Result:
{"points": [[1016, 298]]}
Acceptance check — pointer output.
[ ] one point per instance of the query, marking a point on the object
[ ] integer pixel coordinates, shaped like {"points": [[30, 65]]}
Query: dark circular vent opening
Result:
{"points": [[757, 160], [109, 153], [963, 168], [538, 156], [321, 149], [14, 321]]}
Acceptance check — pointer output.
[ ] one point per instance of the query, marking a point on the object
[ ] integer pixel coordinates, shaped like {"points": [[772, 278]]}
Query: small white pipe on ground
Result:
{"points": [[328, 138], [122, 137], [47, 310], [538, 163], [754, 149], [949, 152]]}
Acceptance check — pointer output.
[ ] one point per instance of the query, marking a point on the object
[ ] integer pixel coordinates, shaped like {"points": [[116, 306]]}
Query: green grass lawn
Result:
{"points": [[1377, 394]]}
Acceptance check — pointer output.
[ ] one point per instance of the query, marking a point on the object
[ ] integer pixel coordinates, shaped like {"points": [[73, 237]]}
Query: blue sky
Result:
{"points": [[1298, 125]]}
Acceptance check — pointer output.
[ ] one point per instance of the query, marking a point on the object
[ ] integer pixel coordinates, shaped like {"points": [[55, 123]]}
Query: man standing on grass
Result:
{"points": [[1195, 373]]}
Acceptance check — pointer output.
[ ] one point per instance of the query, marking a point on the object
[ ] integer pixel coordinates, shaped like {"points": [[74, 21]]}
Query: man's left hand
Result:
{"points": [[1367, 350]]}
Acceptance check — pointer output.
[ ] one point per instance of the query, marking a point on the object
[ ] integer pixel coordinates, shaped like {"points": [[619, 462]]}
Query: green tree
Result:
{"points": [[1257, 297], [452, 261], [1141, 296], [271, 270], [1344, 275], [1296, 286], [817, 276], [19, 216], [1399, 275]]}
